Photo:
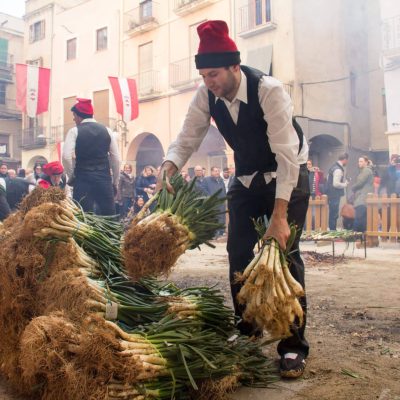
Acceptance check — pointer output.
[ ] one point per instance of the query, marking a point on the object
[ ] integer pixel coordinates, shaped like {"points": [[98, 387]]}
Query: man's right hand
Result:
{"points": [[168, 168]]}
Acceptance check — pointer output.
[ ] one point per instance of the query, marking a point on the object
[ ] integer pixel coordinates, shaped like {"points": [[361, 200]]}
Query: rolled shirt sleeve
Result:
{"points": [[282, 137], [195, 127], [68, 154], [115, 160]]}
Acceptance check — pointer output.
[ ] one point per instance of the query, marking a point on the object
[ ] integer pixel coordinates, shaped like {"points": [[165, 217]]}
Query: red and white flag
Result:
{"points": [[33, 86], [126, 98]]}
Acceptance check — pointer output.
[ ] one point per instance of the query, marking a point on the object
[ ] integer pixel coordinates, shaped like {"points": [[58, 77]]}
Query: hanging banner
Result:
{"points": [[126, 98], [33, 87]]}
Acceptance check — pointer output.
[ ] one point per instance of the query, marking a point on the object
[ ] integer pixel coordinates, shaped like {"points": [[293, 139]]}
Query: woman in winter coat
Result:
{"points": [[126, 190], [363, 185], [146, 183]]}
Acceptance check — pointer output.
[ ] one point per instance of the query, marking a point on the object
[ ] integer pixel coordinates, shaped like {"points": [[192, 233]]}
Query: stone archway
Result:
{"points": [[144, 150], [324, 151], [36, 160]]}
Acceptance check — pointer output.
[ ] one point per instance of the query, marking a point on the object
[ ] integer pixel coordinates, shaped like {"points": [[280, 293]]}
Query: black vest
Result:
{"points": [[248, 138], [331, 190], [92, 147]]}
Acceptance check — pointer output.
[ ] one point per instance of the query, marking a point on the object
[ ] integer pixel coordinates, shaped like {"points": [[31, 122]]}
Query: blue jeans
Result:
{"points": [[333, 212]]}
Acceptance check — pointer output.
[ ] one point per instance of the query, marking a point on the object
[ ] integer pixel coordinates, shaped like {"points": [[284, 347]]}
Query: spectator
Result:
{"points": [[90, 153], [3, 171], [336, 183], [139, 203], [52, 175], [21, 173], [185, 176], [4, 207], [126, 190], [363, 185], [17, 189], [315, 178], [146, 183], [227, 179], [390, 181], [198, 174], [211, 185]]}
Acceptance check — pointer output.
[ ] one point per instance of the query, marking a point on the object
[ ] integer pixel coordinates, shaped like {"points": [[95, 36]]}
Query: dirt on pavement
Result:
{"points": [[353, 323]]}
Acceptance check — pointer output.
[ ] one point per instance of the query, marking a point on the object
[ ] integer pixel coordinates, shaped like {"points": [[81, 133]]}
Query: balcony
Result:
{"points": [[142, 19], [34, 138], [391, 37], [6, 67], [148, 84], [184, 7], [254, 18], [184, 73], [8, 109]]}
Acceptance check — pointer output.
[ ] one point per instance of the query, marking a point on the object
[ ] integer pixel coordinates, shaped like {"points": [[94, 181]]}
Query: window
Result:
{"points": [[4, 143], [3, 93], [37, 31], [146, 10], [146, 76], [262, 11], [254, 14], [101, 39], [71, 49]]}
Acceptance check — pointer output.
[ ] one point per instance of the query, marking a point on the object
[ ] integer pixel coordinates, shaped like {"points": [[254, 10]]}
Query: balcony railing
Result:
{"points": [[184, 72], [254, 16], [6, 67], [391, 36], [148, 83], [34, 138], [142, 19], [183, 7]]}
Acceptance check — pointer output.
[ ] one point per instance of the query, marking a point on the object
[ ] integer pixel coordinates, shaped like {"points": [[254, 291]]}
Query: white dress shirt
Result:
{"points": [[337, 178], [68, 156], [282, 137]]}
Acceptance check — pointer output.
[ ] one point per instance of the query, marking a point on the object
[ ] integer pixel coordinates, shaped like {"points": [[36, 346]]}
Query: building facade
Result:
{"points": [[327, 59], [391, 64], [11, 52]]}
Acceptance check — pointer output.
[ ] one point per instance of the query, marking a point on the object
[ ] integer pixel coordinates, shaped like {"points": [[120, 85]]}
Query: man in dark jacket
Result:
{"points": [[17, 189], [254, 114], [4, 207], [89, 149], [199, 175], [212, 184]]}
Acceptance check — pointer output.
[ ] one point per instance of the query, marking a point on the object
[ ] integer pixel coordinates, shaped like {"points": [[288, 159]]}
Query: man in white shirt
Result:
{"points": [[254, 114], [90, 149], [336, 183]]}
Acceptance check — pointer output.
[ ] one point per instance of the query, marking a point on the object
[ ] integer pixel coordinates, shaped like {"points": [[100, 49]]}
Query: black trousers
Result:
{"points": [[257, 201], [94, 192]]}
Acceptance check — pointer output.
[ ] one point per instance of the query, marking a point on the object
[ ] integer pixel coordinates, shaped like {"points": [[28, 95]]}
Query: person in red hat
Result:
{"points": [[254, 114], [52, 175], [90, 151]]}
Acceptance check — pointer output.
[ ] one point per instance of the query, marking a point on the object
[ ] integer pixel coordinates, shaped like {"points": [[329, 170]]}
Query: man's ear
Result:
{"points": [[235, 68]]}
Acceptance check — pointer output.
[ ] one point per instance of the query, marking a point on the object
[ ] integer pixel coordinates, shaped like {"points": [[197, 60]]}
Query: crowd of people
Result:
{"points": [[347, 198]]}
